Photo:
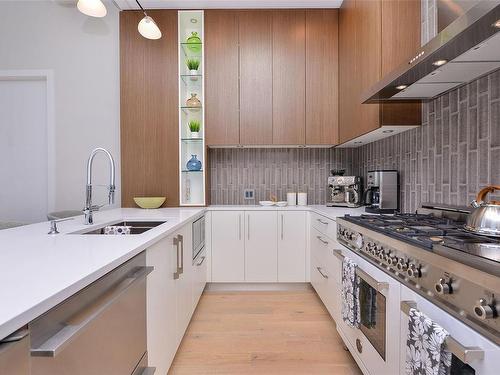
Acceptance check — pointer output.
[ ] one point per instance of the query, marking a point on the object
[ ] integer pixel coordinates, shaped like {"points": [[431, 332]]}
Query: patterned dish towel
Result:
{"points": [[350, 293], [425, 354]]}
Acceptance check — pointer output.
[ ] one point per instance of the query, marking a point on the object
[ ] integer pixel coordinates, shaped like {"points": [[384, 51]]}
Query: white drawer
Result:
{"points": [[324, 225]]}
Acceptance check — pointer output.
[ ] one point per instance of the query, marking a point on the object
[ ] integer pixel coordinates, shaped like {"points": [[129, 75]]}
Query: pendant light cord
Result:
{"points": [[140, 6]]}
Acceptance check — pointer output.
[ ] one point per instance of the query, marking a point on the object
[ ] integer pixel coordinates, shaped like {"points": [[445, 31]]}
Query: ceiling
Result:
{"points": [[227, 4]]}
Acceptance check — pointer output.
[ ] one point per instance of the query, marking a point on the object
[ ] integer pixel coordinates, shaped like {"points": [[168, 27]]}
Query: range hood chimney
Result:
{"points": [[466, 49]]}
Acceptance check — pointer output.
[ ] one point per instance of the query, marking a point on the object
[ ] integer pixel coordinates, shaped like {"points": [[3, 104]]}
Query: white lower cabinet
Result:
{"points": [[228, 247], [258, 246], [292, 246], [173, 290], [261, 253]]}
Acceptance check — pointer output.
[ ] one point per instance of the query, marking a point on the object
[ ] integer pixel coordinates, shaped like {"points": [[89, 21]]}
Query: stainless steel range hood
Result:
{"points": [[468, 48]]}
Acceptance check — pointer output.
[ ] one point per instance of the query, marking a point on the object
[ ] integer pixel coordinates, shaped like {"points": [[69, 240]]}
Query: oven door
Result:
{"points": [[472, 353], [375, 344]]}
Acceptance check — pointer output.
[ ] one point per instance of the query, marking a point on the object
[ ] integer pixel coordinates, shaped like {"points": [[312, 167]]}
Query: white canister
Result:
{"points": [[291, 199], [302, 199]]}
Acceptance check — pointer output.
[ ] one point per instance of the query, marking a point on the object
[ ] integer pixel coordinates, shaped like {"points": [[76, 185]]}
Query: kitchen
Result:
{"points": [[314, 164]]}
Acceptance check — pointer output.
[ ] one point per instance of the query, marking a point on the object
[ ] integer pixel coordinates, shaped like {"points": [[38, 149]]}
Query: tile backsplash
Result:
{"points": [[447, 160], [452, 155], [273, 171]]}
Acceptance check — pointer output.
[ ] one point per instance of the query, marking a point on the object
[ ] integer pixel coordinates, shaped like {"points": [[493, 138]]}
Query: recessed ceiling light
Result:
{"points": [[387, 131], [497, 24], [439, 62], [194, 20], [401, 87]]}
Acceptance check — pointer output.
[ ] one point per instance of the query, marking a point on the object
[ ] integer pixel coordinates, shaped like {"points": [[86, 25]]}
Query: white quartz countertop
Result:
{"points": [[38, 271]]}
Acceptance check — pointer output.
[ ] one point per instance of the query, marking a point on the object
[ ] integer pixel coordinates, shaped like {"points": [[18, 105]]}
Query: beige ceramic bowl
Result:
{"points": [[149, 202]]}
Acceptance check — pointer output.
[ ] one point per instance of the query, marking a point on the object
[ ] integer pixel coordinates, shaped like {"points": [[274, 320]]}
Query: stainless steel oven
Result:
{"points": [[373, 317], [99, 330]]}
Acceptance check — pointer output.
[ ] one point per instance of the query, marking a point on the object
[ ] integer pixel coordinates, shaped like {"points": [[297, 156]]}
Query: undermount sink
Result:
{"points": [[136, 227]]}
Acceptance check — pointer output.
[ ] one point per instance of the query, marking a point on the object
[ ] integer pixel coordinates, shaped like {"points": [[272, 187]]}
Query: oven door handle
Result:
{"points": [[466, 354], [60, 340], [379, 286]]}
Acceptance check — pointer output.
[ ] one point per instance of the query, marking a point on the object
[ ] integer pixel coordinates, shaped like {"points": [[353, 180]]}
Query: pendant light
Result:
{"points": [[93, 8], [147, 26]]}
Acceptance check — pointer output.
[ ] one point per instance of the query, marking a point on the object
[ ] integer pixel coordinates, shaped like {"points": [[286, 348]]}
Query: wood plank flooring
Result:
{"points": [[262, 333]]}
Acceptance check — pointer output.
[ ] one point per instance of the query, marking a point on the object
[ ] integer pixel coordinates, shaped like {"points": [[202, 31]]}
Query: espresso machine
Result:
{"points": [[382, 192], [343, 191]]}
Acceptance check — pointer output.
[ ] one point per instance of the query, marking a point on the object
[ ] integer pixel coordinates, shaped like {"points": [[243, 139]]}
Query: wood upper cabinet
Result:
{"points": [[148, 109], [376, 36], [221, 78], [289, 77], [256, 77], [321, 77]]}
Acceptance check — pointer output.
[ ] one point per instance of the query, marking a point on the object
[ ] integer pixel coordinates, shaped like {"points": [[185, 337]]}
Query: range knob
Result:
{"points": [[414, 271], [402, 265], [484, 310], [444, 286], [387, 256], [381, 254], [393, 261]]}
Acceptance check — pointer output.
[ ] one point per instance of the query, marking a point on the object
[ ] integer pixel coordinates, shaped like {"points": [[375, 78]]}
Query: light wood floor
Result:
{"points": [[262, 333]]}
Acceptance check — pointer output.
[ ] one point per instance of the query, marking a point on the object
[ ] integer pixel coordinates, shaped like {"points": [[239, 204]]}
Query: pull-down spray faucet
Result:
{"points": [[89, 208]]}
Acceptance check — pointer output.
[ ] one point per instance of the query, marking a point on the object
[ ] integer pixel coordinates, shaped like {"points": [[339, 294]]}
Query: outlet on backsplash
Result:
{"points": [[249, 194]]}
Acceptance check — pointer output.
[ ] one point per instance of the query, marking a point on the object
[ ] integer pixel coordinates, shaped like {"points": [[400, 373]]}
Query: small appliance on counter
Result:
{"points": [[382, 192], [343, 191]]}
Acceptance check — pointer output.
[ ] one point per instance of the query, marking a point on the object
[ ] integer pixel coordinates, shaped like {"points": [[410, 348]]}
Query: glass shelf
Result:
{"points": [[188, 110], [192, 139], [192, 80], [192, 49], [187, 171]]}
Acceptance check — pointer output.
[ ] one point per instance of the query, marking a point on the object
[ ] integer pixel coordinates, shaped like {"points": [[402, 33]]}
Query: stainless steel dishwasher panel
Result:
{"points": [[100, 330], [15, 354]]}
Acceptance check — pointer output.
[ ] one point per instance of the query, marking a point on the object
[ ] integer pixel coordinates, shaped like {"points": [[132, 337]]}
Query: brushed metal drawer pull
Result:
{"points": [[323, 222], [466, 354], [321, 273], [322, 240], [55, 344]]}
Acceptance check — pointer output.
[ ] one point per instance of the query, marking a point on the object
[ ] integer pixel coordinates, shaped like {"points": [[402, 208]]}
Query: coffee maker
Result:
{"points": [[382, 192], [343, 191]]}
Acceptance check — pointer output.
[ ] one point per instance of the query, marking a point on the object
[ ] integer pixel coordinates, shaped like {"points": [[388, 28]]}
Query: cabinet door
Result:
{"points": [[322, 77], [149, 128], [289, 77], [228, 251], [348, 81], [161, 304], [221, 77], [261, 253], [291, 246], [256, 77], [184, 283]]}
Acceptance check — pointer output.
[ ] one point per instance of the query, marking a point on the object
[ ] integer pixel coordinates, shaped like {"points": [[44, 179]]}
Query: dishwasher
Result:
{"points": [[99, 330], [15, 353]]}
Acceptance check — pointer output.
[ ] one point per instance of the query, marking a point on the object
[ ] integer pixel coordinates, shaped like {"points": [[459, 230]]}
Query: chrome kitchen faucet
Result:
{"points": [[89, 208]]}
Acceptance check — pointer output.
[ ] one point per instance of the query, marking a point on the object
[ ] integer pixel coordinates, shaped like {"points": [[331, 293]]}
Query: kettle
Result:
{"points": [[485, 218]]}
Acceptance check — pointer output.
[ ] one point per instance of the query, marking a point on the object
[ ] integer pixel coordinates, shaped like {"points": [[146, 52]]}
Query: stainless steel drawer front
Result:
{"points": [[100, 330]]}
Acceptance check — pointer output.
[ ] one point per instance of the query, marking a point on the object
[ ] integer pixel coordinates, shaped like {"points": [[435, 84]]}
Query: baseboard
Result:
{"points": [[250, 287]]}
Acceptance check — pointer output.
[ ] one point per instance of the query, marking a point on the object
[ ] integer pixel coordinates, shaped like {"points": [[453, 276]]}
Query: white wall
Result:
{"points": [[83, 53]]}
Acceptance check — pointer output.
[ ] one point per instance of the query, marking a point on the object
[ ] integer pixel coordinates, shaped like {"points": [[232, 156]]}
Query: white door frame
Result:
{"points": [[48, 77]]}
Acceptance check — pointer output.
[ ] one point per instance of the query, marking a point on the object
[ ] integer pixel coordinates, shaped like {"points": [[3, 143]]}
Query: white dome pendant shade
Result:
{"points": [[92, 8], [148, 28]]}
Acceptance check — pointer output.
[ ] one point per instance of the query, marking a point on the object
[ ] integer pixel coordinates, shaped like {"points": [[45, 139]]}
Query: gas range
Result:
{"points": [[437, 258]]}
